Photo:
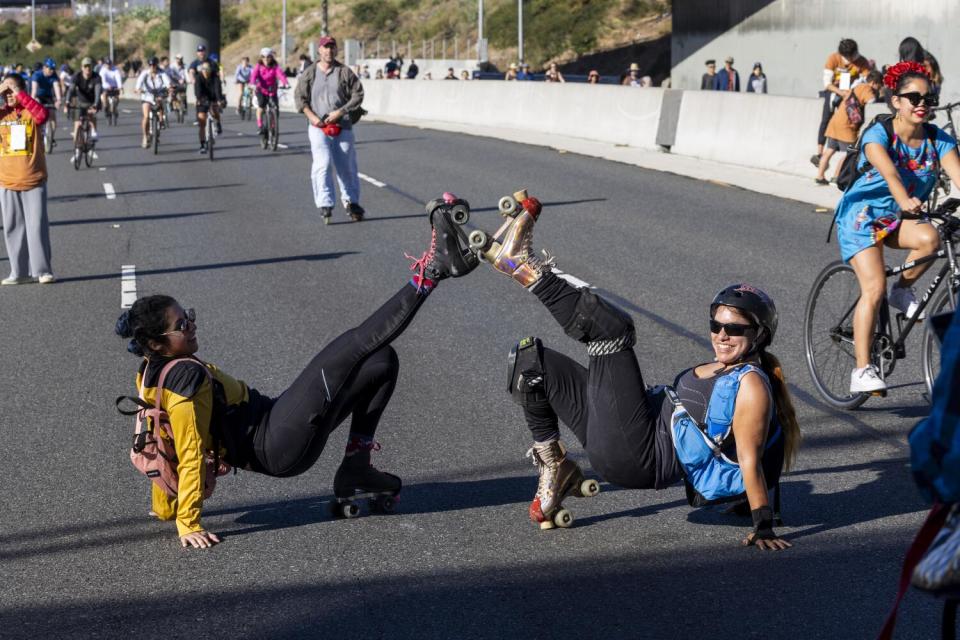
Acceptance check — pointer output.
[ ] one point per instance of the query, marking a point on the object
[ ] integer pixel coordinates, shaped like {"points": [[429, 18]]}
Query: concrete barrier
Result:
{"points": [[761, 131], [616, 115]]}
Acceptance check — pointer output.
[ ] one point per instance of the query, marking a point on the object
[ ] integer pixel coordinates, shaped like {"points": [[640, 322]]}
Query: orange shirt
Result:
{"points": [[22, 162], [857, 68], [839, 127]]}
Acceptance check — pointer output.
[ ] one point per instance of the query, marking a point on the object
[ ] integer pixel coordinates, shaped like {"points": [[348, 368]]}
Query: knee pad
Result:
{"points": [[525, 372], [604, 327]]}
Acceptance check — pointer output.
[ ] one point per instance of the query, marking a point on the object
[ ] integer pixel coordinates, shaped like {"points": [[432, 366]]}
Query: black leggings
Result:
{"points": [[605, 404], [353, 375]]}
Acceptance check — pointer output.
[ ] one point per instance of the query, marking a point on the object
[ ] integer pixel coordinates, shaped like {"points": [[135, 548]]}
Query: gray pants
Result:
{"points": [[26, 231]]}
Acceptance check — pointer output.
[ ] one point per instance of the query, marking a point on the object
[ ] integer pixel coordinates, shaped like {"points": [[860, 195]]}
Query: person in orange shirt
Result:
{"points": [[841, 70], [23, 184], [841, 132]]}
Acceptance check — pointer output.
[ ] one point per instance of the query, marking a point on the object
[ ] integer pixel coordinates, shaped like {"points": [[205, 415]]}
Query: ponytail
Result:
{"points": [[783, 404]]}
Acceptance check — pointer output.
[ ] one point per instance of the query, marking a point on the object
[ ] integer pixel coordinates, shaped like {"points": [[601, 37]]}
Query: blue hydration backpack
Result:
{"points": [[935, 441], [710, 476]]}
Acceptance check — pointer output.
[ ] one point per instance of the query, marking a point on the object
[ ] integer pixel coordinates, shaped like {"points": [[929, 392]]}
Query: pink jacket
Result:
{"points": [[265, 79]]}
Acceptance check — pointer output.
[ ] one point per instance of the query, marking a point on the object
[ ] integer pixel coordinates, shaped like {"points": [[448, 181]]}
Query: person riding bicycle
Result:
{"points": [[266, 78], [726, 427], [242, 78], [896, 177], [86, 88], [46, 90], [208, 92], [177, 72], [153, 87], [111, 79]]}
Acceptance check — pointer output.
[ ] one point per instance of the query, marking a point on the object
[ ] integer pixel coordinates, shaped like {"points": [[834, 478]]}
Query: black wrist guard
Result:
{"points": [[763, 523]]}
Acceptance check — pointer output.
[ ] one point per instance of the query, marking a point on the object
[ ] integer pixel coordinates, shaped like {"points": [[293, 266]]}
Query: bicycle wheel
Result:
{"points": [[210, 136], [828, 335], [48, 136], [274, 128], [155, 125], [930, 354], [78, 144], [88, 156]]}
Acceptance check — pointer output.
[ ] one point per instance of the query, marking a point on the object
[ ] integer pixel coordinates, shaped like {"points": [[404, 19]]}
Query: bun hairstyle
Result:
{"points": [[900, 74], [146, 320]]}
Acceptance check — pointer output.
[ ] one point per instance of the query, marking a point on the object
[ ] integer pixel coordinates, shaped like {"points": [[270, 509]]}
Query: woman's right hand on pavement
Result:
{"points": [[911, 205], [199, 540]]}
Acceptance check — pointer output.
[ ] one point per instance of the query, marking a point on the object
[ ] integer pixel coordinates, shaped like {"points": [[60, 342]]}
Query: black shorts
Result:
{"points": [[203, 107], [263, 100]]}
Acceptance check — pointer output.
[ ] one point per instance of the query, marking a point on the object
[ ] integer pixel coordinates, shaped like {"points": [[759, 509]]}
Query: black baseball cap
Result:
{"points": [[201, 47]]}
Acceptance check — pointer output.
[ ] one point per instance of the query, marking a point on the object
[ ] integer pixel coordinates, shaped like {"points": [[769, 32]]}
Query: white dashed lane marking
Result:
{"points": [[372, 181], [110, 191], [128, 285]]}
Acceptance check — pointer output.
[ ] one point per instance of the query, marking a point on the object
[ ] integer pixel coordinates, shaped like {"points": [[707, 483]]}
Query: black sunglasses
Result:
{"points": [[915, 97], [190, 318], [733, 330]]}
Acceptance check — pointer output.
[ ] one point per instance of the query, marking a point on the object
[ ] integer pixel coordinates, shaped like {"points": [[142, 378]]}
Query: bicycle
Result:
{"points": [[211, 129], [82, 146], [270, 137], [178, 104], [942, 190], [828, 319], [50, 129], [112, 106], [246, 103], [155, 123]]}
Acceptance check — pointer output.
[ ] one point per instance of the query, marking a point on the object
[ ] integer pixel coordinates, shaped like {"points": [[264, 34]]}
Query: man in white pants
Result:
{"points": [[329, 94]]}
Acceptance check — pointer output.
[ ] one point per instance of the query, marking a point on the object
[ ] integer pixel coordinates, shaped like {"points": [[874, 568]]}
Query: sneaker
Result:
{"points": [[904, 299], [821, 181], [46, 278], [815, 159], [867, 380], [356, 211], [203, 149], [326, 213], [145, 142], [11, 280]]}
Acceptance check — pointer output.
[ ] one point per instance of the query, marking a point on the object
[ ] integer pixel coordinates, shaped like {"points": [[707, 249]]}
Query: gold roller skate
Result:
{"points": [[514, 254], [559, 478]]}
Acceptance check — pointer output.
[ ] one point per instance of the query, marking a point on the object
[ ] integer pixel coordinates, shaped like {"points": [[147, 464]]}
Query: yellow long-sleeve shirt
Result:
{"points": [[188, 399]]}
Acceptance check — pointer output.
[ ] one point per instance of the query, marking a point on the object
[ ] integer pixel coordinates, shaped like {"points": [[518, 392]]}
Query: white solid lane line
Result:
{"points": [[110, 191], [576, 282], [128, 285], [372, 181]]}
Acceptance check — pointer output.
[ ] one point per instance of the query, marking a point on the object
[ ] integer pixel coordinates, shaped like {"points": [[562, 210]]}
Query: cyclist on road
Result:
{"points": [[242, 78], [208, 92], [327, 93], [111, 79], [85, 87], [46, 90], [266, 78], [153, 86], [177, 72], [896, 177]]}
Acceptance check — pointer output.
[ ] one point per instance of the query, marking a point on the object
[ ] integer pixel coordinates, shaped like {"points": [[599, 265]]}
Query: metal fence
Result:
{"points": [[453, 48]]}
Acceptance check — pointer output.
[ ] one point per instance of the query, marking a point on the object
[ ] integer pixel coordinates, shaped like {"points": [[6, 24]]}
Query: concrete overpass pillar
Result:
{"points": [[192, 23]]}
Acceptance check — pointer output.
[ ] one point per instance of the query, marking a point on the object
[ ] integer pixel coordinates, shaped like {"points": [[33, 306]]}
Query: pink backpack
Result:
{"points": [[155, 456]]}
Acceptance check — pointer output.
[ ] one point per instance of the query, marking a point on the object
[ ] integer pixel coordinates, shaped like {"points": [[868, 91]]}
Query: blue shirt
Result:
{"points": [[44, 84]]}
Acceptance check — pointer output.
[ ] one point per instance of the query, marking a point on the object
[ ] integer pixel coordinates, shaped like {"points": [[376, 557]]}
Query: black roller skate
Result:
{"points": [[449, 255], [357, 479]]}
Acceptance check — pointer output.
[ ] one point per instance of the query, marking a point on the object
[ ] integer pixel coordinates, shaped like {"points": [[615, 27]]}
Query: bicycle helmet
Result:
{"points": [[755, 303], [154, 61], [266, 51], [49, 63], [214, 57]]}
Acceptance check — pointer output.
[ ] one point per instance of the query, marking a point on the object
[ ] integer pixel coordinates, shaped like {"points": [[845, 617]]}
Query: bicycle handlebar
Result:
{"points": [[947, 107]]}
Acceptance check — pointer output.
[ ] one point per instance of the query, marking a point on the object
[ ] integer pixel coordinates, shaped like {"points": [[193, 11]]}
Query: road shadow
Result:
{"points": [[367, 219], [388, 140], [144, 218], [215, 265], [140, 192]]}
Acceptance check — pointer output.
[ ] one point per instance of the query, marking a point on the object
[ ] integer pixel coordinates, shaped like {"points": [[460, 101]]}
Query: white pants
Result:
{"points": [[343, 155]]}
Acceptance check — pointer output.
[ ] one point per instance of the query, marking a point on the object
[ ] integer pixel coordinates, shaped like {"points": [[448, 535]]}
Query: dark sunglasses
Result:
{"points": [[915, 97], [190, 318], [733, 330]]}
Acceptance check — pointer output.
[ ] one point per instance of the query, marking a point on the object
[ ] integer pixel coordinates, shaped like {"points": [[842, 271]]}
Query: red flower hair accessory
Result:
{"points": [[892, 77]]}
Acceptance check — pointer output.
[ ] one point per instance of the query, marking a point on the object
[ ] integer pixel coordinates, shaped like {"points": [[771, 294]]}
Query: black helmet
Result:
{"points": [[754, 303], [154, 61]]}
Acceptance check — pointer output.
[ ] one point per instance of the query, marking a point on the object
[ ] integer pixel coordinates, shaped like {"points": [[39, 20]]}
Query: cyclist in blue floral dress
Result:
{"points": [[897, 176]]}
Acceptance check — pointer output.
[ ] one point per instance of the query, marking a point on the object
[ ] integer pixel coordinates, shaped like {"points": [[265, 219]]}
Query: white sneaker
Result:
{"points": [[46, 278], [12, 280], [867, 380], [904, 299]]}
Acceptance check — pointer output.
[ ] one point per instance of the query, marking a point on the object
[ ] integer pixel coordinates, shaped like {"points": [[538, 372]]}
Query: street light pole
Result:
{"points": [[324, 22], [520, 30], [110, 10], [480, 30], [33, 20], [283, 35]]}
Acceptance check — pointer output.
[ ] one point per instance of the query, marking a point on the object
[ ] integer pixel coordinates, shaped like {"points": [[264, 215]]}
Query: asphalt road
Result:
{"points": [[240, 240]]}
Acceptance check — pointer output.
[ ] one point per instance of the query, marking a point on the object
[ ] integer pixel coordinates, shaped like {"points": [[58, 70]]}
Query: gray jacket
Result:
{"points": [[349, 90]]}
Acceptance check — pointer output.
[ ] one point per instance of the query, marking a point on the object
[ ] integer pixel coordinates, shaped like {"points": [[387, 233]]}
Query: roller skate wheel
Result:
{"points": [[508, 206], [349, 510], [460, 214], [589, 488], [383, 504], [546, 525], [563, 519], [478, 240]]}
